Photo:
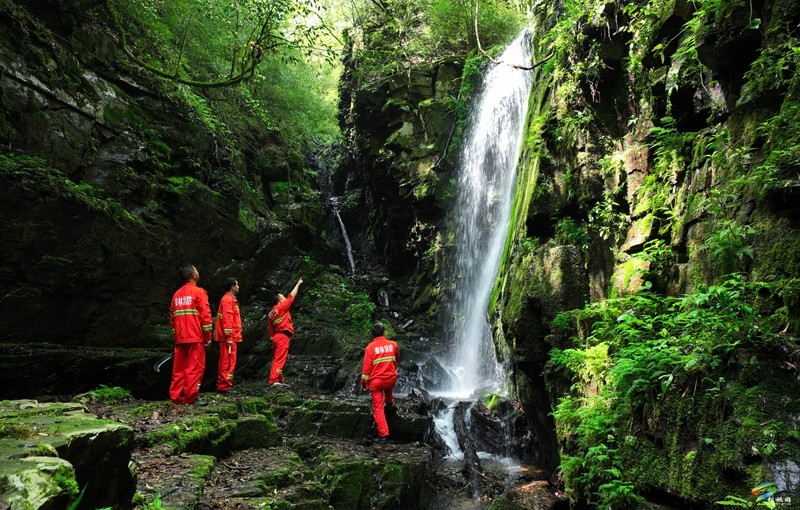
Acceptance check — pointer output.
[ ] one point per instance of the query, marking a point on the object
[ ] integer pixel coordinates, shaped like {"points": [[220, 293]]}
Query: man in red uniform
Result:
{"points": [[280, 329], [379, 374], [228, 332], [190, 317]]}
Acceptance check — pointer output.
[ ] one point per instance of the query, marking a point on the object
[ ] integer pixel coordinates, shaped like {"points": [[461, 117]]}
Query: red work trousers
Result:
{"points": [[188, 366], [226, 365], [381, 390], [280, 348]]}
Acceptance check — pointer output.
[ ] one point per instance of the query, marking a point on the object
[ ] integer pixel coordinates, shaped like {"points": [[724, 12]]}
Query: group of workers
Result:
{"points": [[190, 318]]}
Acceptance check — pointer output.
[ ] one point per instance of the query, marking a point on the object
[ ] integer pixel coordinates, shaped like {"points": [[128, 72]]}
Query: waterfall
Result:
{"points": [[443, 425], [348, 247], [487, 174]]}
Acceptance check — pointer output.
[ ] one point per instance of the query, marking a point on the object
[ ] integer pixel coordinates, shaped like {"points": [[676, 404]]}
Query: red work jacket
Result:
{"points": [[380, 360], [190, 315], [279, 319], [229, 321]]}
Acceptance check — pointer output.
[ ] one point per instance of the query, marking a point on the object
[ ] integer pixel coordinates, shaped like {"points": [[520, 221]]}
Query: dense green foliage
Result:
{"points": [[222, 42], [343, 312], [401, 33], [664, 166], [640, 355], [282, 108]]}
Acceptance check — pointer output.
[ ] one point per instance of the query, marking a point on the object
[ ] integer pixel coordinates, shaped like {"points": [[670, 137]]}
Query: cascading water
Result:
{"points": [[488, 163], [347, 245]]}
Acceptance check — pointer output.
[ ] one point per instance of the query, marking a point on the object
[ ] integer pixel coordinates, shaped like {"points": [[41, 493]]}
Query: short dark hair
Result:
{"points": [[378, 330], [186, 271], [230, 282]]}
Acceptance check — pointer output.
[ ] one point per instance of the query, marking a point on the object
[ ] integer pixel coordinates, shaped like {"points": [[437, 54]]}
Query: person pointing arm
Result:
{"points": [[280, 329]]}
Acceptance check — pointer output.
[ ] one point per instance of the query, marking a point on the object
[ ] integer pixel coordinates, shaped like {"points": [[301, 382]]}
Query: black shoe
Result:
{"points": [[381, 440], [199, 403]]}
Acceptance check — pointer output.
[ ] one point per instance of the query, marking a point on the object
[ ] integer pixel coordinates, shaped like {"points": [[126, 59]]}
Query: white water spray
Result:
{"points": [[348, 247], [486, 184]]}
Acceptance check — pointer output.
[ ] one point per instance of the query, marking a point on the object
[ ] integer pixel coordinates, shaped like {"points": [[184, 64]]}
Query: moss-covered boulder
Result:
{"points": [[50, 452], [346, 417], [215, 429], [36, 482], [380, 477]]}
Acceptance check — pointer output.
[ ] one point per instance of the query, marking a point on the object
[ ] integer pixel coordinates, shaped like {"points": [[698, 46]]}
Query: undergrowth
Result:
{"points": [[631, 355]]}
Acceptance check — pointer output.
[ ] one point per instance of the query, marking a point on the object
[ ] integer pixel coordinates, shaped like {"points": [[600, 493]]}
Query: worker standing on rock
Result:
{"points": [[281, 329], [379, 375], [228, 332], [190, 318]]}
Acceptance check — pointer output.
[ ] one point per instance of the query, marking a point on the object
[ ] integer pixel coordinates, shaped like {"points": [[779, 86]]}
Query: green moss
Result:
{"points": [[202, 466], [226, 411], [280, 478], [283, 399], [700, 448], [110, 395], [401, 484], [15, 430], [45, 450], [257, 432], [249, 219], [116, 116], [350, 483], [184, 184], [34, 174], [198, 435], [776, 250], [64, 477]]}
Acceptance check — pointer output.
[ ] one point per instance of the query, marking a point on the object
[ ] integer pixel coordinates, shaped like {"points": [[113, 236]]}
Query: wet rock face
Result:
{"points": [[502, 431], [107, 188], [397, 132]]}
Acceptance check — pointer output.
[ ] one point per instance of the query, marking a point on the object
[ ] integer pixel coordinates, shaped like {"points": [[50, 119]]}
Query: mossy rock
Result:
{"points": [[350, 483], [36, 482], [337, 420], [700, 453], [83, 451], [401, 484], [256, 432], [205, 434]]}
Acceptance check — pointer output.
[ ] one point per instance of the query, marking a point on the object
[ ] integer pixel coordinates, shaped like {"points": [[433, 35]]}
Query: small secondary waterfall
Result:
{"points": [[329, 194], [486, 184], [347, 245]]}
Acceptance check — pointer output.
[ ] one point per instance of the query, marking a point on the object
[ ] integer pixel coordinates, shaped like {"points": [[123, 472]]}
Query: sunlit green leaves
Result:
{"points": [[211, 43]]}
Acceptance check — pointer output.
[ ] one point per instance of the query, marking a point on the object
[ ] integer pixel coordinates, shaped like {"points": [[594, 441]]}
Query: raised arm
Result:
{"points": [[293, 293]]}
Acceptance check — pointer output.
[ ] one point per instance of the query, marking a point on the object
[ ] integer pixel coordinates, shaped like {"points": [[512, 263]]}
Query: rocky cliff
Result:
{"points": [[112, 178], [660, 162]]}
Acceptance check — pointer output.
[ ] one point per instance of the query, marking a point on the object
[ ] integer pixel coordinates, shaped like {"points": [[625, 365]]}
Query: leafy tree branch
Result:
{"points": [[494, 61], [253, 29]]}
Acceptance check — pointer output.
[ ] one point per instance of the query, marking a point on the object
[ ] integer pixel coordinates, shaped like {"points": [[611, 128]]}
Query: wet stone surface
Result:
{"points": [[292, 448]]}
